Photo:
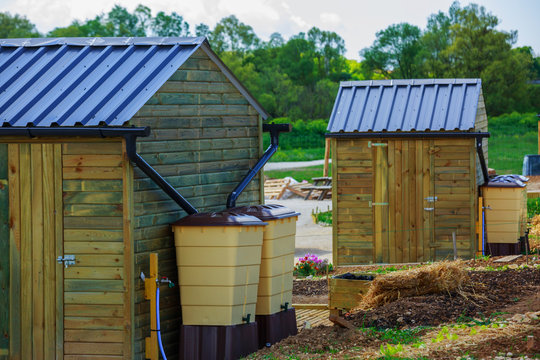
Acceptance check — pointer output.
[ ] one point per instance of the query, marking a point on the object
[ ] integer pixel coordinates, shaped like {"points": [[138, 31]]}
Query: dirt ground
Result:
{"points": [[499, 318]]}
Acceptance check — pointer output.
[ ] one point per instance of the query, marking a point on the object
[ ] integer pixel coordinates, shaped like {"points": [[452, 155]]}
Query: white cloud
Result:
{"points": [[330, 18]]}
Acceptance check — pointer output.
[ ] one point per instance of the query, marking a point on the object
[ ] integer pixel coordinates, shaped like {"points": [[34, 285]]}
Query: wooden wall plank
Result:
{"points": [[129, 254], [4, 251], [26, 252], [412, 201], [49, 253], [14, 251], [405, 169], [419, 200], [59, 250]]}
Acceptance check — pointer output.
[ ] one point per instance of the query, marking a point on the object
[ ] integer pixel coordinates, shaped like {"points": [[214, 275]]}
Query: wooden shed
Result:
{"points": [[75, 115], [407, 160]]}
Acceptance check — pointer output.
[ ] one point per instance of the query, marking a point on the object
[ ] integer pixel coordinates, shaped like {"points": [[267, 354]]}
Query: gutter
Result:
{"points": [[274, 130], [128, 133]]}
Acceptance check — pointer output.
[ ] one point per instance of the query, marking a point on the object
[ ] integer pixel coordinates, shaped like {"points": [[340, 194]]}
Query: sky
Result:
{"points": [[356, 21]]}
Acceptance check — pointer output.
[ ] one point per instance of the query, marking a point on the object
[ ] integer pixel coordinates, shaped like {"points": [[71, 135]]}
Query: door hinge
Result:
{"points": [[67, 260], [371, 204], [431, 199], [370, 144]]}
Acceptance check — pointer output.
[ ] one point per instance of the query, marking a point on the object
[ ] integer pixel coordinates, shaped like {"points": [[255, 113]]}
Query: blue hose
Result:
{"points": [[158, 326]]}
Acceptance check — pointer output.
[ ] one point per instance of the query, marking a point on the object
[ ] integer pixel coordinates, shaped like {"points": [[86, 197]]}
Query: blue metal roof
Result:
{"points": [[406, 105], [84, 81]]}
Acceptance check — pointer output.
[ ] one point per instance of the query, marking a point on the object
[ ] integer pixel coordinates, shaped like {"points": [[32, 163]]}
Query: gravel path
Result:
{"points": [[292, 164]]}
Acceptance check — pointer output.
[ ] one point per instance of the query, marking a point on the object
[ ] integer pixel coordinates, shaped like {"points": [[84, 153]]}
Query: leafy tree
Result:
{"points": [[396, 51], [202, 30], [329, 49], [232, 35], [16, 27], [296, 59], [169, 25]]}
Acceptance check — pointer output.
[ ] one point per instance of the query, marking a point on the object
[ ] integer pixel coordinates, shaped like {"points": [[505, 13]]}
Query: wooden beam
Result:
{"points": [[326, 156]]}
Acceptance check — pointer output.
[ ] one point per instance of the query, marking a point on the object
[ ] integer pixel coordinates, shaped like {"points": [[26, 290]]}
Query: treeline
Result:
{"points": [[298, 78]]}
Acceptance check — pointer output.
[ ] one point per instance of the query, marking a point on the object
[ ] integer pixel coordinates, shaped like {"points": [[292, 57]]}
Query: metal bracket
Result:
{"points": [[371, 204], [67, 260], [431, 198], [370, 144], [429, 209]]}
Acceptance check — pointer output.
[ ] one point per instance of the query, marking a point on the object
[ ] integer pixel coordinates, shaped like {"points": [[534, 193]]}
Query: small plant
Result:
{"points": [[311, 264], [482, 257], [323, 218], [390, 350]]}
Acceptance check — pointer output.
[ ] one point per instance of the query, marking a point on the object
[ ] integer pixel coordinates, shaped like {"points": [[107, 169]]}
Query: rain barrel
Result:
{"points": [[218, 257]]}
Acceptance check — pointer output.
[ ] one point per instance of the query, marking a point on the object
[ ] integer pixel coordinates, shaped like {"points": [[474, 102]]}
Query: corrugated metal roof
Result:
{"points": [[406, 105], [84, 81]]}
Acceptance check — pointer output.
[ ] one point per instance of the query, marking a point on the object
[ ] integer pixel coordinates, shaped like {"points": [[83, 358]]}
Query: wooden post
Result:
{"points": [[480, 226], [150, 284], [327, 156], [538, 135], [455, 245]]}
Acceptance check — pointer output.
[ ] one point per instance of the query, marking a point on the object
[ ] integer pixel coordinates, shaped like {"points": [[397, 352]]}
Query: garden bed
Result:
{"points": [[500, 314]]}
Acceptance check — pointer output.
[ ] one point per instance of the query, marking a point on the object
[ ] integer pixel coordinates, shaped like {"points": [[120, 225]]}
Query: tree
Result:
{"points": [[202, 30], [169, 25], [329, 50], [395, 51], [16, 27], [434, 41], [232, 35]]}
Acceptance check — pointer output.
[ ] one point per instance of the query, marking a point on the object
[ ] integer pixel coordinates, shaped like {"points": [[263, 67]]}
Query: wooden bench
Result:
{"points": [[321, 185]]}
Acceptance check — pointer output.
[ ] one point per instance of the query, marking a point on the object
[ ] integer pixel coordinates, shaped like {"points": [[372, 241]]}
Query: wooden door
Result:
{"points": [[403, 210], [35, 197]]}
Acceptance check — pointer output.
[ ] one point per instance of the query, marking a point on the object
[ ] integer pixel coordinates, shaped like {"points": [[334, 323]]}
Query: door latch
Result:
{"points": [[429, 209], [431, 199], [67, 260]]}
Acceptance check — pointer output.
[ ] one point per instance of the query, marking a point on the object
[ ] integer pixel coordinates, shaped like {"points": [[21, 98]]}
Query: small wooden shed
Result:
{"points": [[407, 161], [73, 113]]}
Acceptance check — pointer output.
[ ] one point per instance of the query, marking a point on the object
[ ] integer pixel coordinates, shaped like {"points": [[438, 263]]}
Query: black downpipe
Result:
{"points": [[274, 130], [480, 152], [131, 149]]}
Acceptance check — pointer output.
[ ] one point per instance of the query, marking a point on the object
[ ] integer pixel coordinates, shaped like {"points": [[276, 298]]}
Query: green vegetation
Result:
{"points": [[298, 155], [533, 207], [322, 217], [512, 137], [299, 174]]}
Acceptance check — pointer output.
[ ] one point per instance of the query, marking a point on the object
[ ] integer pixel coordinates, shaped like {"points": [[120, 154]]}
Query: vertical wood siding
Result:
{"points": [[96, 316], [35, 200], [354, 189], [4, 252], [205, 137], [401, 225]]}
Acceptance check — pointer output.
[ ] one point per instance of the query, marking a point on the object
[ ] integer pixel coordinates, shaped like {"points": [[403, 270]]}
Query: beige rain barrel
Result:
{"points": [[218, 257]]}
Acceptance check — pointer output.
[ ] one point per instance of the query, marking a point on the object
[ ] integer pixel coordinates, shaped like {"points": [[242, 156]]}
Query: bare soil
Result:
{"points": [[491, 294]]}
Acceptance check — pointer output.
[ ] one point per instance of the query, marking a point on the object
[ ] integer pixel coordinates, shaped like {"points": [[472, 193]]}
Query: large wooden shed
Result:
{"points": [[407, 160], [75, 114]]}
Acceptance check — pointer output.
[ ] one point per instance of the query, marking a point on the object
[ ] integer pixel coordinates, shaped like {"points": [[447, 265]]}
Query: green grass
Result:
{"points": [[506, 152], [298, 155], [306, 173]]}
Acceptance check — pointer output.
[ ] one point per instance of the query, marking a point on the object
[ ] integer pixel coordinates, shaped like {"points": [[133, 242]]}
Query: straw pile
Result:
{"points": [[445, 276], [534, 233]]}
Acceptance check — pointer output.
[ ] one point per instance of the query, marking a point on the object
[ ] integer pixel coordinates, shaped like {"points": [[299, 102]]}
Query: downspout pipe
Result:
{"points": [[274, 130], [129, 133], [480, 152], [131, 149]]}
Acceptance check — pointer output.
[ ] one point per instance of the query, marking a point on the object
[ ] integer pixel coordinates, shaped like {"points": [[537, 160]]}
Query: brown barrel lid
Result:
{"points": [[266, 212], [223, 218]]}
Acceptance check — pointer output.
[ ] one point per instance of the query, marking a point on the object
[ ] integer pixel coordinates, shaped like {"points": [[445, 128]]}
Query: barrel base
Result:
{"points": [[276, 327], [503, 249], [198, 342]]}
